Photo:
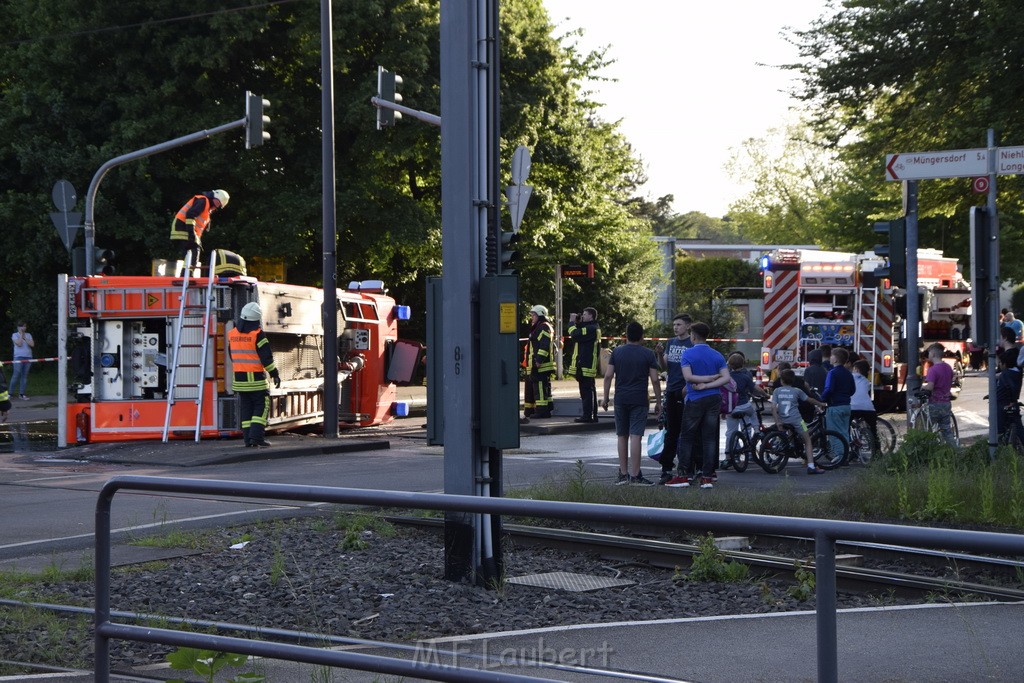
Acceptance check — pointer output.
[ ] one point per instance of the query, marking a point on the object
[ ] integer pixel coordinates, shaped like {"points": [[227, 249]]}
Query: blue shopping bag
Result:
{"points": [[656, 444]]}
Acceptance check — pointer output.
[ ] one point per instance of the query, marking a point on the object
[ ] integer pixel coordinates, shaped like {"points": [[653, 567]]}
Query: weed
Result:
{"points": [[941, 502], [207, 663], [353, 540], [805, 583], [767, 595], [277, 568], [359, 523], [710, 564], [987, 494], [193, 540]]}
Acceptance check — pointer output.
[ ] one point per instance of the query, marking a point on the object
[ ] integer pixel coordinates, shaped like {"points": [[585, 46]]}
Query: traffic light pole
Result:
{"points": [[992, 300], [913, 321], [426, 117], [90, 196]]}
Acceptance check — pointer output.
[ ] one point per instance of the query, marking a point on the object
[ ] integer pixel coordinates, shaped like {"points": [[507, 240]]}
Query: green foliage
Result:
{"points": [[709, 564], [870, 96], [84, 84], [805, 583], [1017, 299], [207, 663], [703, 290]]}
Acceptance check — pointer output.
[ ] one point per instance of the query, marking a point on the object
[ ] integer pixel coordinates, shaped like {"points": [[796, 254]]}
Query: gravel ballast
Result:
{"points": [[390, 587]]}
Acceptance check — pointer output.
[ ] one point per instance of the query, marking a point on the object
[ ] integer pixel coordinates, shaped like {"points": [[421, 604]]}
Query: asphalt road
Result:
{"points": [[49, 497]]}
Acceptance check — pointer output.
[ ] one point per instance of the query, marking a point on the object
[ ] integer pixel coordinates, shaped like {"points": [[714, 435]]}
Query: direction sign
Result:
{"points": [[957, 163]]}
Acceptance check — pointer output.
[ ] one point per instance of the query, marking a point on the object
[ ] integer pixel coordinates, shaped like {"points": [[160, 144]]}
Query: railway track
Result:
{"points": [[849, 575]]}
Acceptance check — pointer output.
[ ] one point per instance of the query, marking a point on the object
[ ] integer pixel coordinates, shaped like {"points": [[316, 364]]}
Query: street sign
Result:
{"points": [[956, 163], [578, 271], [64, 196], [520, 165], [66, 221], [518, 197], [980, 184]]}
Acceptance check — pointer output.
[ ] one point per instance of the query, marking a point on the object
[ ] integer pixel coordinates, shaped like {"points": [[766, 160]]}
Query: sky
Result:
{"points": [[693, 82]]}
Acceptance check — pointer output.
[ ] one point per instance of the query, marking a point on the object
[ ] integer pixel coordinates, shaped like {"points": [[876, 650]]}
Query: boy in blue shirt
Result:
{"points": [[839, 389]]}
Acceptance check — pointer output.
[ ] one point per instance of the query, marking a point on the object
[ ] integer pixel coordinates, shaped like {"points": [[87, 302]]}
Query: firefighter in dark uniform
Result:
{"points": [[540, 364], [193, 219], [251, 362], [585, 336]]}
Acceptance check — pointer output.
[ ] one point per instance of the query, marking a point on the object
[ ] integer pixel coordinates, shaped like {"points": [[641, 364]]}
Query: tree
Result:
{"points": [[703, 286], [83, 83], [901, 76]]}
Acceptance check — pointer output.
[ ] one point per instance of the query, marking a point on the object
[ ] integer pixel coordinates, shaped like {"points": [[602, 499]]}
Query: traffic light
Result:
{"points": [[103, 261], [895, 251], [255, 120], [387, 90], [507, 254]]}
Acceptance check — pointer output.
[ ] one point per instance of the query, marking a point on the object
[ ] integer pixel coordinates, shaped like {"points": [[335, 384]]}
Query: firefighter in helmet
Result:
{"points": [[252, 361], [193, 219], [540, 364]]}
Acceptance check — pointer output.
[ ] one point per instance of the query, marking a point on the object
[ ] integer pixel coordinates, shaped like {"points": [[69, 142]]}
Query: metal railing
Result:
{"points": [[824, 532]]}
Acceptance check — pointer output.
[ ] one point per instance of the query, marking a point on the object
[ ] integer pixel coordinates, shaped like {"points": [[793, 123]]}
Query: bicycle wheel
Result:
{"points": [[886, 437], [862, 441], [831, 449], [738, 451], [774, 451]]}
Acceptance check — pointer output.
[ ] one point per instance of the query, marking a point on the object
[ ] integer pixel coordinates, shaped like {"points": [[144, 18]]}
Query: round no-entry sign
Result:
{"points": [[980, 184]]}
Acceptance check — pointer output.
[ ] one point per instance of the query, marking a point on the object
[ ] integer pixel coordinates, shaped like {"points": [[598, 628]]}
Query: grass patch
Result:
{"points": [[191, 540], [924, 480]]}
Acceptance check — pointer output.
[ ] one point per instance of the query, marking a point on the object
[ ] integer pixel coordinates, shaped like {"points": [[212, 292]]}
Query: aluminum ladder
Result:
{"points": [[869, 311], [189, 319]]}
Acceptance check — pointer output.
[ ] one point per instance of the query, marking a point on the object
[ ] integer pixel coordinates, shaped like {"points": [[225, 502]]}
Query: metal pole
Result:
{"points": [[62, 361], [330, 227], [94, 185], [992, 334], [557, 341], [825, 597], [913, 321]]}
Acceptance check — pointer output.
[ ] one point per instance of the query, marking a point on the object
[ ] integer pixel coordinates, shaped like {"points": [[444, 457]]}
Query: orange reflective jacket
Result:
{"points": [[199, 222], [242, 348]]}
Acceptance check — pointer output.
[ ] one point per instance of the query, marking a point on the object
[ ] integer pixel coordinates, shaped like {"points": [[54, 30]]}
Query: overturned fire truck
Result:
{"points": [[816, 298], [146, 357]]}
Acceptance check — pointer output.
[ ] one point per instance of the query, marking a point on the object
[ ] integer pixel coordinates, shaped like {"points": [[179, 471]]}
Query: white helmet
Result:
{"points": [[540, 310], [251, 311], [222, 197]]}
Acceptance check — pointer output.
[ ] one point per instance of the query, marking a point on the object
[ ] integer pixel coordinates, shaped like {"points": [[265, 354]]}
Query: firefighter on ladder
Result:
{"points": [[251, 361], [192, 220]]}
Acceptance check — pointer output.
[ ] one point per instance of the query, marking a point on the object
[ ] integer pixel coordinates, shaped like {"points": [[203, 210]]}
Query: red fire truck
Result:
{"points": [[147, 357], [814, 298]]}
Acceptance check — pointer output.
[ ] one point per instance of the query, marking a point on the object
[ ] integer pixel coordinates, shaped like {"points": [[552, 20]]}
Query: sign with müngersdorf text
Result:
{"points": [[956, 163]]}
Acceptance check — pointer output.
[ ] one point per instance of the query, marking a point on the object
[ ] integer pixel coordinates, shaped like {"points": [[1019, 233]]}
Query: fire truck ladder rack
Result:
{"points": [[188, 319], [868, 340]]}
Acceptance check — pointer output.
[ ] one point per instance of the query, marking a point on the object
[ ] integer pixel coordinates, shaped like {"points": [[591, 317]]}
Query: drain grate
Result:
{"points": [[568, 581]]}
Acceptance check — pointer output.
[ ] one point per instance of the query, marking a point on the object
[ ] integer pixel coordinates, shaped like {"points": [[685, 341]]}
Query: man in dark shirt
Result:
{"points": [[839, 389]]}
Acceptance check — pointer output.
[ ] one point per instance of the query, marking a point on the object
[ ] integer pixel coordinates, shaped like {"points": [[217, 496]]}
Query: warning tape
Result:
{"points": [[30, 360]]}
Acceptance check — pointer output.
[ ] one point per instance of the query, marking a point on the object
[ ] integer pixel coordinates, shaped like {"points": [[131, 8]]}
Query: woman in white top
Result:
{"points": [[23, 344]]}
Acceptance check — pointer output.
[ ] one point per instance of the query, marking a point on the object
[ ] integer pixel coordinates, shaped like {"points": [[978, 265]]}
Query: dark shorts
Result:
{"points": [[631, 419]]}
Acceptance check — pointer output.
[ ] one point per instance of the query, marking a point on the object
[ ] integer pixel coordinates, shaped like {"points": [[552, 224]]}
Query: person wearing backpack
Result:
{"points": [[736, 404]]}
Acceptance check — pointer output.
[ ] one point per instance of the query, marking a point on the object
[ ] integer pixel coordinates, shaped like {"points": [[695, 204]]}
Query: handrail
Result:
{"points": [[825, 534]]}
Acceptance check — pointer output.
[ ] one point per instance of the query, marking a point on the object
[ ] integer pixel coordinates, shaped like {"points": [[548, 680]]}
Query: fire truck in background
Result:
{"points": [[147, 356], [814, 298]]}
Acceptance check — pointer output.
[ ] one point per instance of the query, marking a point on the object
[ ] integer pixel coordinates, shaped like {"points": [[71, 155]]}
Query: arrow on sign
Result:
{"points": [[889, 167]]}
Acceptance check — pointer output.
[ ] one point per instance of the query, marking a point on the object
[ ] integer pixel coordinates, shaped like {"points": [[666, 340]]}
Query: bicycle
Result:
{"points": [[743, 444], [863, 445], [1012, 432], [920, 418], [780, 443]]}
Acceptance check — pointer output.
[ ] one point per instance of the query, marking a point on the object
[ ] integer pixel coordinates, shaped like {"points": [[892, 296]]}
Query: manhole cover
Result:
{"points": [[568, 581]]}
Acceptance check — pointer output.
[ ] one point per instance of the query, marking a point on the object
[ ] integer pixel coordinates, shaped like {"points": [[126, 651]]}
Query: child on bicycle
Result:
{"points": [[786, 409], [743, 412], [861, 406], [939, 381]]}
